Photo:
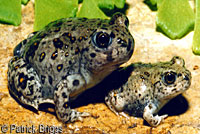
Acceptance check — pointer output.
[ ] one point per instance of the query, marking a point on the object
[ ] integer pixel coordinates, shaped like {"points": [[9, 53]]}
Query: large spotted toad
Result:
{"points": [[67, 57], [148, 88]]}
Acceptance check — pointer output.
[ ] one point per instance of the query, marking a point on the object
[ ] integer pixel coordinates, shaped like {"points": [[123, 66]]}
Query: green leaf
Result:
{"points": [[47, 11], [196, 37], [90, 9], [25, 1], [119, 3], [159, 2], [10, 12], [153, 2], [105, 4], [175, 18]]}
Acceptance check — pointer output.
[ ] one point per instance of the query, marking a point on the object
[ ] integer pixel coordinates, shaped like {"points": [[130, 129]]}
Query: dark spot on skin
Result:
{"points": [[85, 49], [43, 79], [76, 82], [16, 67], [42, 35], [123, 45], [83, 19], [31, 78], [179, 75], [104, 25], [109, 57], [89, 42], [111, 23], [14, 59], [117, 30], [56, 88], [57, 43], [22, 80], [57, 29], [139, 95], [104, 28], [142, 77], [77, 50], [23, 65], [59, 67], [128, 94], [80, 25], [147, 74], [93, 55], [32, 50], [72, 39], [173, 89], [42, 56], [150, 106], [65, 105], [31, 90], [73, 28], [50, 80], [85, 37], [112, 35], [129, 44], [54, 55], [57, 23], [64, 95], [43, 42], [66, 54], [67, 34], [80, 38], [99, 23]]}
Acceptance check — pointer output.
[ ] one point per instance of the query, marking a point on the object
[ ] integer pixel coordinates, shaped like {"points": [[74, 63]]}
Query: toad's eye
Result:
{"points": [[102, 39], [169, 77]]}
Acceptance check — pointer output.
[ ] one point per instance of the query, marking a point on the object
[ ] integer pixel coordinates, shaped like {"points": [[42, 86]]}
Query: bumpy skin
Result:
{"points": [[68, 56], [148, 88]]}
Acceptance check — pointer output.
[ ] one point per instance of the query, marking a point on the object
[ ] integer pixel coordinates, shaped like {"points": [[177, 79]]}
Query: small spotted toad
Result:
{"points": [[65, 58], [148, 88]]}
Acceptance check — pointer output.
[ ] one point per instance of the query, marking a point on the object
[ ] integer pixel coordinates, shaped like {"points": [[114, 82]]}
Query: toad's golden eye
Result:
{"points": [[169, 77], [102, 39]]}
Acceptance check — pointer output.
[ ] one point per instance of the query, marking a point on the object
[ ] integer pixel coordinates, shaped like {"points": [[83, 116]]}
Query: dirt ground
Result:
{"points": [[150, 46]]}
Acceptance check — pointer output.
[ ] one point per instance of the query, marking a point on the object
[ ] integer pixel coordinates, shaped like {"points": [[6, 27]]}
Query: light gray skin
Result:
{"points": [[65, 58], [148, 88]]}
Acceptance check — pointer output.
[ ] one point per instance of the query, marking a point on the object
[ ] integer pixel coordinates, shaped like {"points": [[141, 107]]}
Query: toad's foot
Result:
{"points": [[149, 110], [62, 102]]}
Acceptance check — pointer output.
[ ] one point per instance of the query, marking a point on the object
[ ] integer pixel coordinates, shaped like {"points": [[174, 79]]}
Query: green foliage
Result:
{"points": [[90, 9], [47, 11], [25, 1], [93, 8], [196, 39], [10, 12], [50, 10], [175, 18]]}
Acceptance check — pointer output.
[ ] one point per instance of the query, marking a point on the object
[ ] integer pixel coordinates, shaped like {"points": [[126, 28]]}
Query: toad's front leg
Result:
{"points": [[149, 112], [67, 87]]}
